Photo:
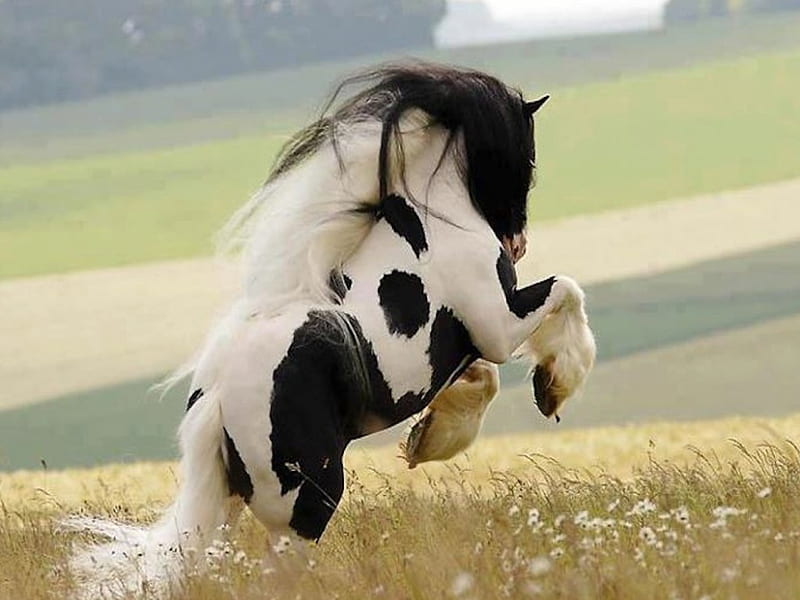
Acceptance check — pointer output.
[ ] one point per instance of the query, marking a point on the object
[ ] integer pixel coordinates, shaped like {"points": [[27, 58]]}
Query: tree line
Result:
{"points": [[682, 11], [52, 50]]}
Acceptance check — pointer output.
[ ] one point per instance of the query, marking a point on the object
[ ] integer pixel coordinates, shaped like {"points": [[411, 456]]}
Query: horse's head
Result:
{"points": [[490, 129], [492, 124], [321, 197]]}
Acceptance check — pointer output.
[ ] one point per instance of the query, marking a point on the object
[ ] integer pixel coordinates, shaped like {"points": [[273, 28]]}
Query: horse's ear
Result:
{"points": [[532, 107]]}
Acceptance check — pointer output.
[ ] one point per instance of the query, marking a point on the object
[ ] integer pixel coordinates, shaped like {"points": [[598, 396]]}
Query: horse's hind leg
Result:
{"points": [[295, 516], [453, 420]]}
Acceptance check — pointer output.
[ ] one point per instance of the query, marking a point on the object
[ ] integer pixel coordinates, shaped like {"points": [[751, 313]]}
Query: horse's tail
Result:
{"points": [[155, 558]]}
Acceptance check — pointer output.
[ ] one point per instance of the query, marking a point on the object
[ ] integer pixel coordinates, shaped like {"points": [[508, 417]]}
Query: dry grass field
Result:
{"points": [[664, 511]]}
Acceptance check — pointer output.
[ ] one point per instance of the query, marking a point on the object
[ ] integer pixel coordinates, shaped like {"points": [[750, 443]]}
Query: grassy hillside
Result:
{"points": [[676, 309], [719, 519], [639, 139]]}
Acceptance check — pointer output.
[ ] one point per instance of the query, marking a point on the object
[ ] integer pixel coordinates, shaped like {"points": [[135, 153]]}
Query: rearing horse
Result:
{"points": [[378, 266]]}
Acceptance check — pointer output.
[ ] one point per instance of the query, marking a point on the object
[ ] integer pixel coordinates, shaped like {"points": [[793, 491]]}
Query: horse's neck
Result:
{"points": [[434, 184], [303, 225]]}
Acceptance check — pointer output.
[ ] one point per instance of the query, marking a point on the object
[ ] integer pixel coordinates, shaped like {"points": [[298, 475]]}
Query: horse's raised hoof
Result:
{"points": [[410, 448], [547, 392], [453, 420]]}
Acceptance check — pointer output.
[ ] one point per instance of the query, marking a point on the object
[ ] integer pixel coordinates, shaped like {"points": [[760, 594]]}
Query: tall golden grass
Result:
{"points": [[720, 520]]}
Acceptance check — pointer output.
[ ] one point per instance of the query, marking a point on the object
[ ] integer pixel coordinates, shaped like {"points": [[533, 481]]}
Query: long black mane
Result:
{"points": [[498, 158]]}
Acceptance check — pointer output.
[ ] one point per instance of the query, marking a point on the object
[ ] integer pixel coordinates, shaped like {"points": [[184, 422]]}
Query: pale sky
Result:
{"points": [[504, 9]]}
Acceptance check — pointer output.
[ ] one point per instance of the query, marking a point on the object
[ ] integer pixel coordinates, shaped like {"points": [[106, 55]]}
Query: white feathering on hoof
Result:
{"points": [[453, 420], [155, 559], [563, 345]]}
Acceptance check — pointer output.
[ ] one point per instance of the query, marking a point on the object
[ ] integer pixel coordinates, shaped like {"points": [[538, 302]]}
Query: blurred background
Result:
{"points": [[668, 184]]}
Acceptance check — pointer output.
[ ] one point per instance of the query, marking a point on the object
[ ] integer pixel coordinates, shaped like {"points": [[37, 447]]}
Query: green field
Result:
{"points": [[123, 422], [635, 118], [131, 179], [602, 146], [267, 102]]}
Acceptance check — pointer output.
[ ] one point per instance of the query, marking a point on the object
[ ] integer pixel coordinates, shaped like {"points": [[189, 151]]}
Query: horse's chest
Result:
{"points": [[419, 345], [396, 292]]}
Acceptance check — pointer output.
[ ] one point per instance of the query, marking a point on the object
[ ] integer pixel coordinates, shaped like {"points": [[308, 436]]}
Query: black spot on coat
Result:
{"points": [[528, 299], [196, 395], [451, 349], [404, 303], [403, 220], [239, 482]]}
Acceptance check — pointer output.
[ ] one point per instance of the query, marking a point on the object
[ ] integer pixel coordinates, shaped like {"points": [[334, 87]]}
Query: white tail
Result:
{"points": [[156, 558]]}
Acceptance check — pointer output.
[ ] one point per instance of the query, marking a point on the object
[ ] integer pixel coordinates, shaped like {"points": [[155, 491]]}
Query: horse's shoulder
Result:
{"points": [[405, 222]]}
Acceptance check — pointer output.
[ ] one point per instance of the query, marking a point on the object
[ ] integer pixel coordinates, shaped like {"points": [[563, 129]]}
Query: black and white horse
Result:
{"points": [[378, 266]]}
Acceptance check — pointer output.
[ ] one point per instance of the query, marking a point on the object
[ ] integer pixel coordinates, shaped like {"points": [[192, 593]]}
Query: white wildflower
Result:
{"points": [[763, 493], [557, 552], [284, 543], [641, 508], [533, 517], [648, 536], [581, 517], [462, 583], [513, 511], [728, 511], [722, 513], [539, 566], [681, 514]]}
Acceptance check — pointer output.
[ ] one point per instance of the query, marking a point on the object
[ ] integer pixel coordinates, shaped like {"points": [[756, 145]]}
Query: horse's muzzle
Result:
{"points": [[516, 246]]}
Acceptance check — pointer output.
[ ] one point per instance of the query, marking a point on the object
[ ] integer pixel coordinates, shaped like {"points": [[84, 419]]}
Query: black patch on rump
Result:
{"points": [[528, 299], [312, 422], [239, 482], [404, 303], [196, 395], [323, 394], [404, 221]]}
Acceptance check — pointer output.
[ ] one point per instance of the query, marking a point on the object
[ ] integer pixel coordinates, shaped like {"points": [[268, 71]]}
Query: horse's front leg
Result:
{"points": [[544, 322], [453, 419], [549, 327]]}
